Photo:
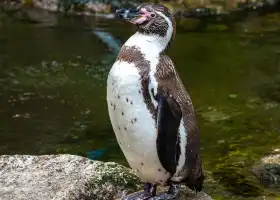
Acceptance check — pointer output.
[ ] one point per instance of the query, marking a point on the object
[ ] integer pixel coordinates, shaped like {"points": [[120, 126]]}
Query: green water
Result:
{"points": [[53, 87]]}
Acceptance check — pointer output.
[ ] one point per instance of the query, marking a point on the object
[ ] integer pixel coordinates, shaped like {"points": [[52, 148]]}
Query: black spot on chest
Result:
{"points": [[132, 54]]}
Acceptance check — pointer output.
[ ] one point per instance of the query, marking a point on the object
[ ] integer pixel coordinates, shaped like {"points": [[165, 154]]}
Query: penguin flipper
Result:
{"points": [[175, 106], [169, 116]]}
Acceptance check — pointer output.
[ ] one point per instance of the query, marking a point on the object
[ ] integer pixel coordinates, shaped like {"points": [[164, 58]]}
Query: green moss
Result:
{"points": [[216, 27], [189, 23], [213, 115], [236, 176], [28, 2], [118, 175]]}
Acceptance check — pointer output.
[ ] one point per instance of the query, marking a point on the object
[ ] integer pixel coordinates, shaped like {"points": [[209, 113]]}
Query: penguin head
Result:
{"points": [[150, 19]]}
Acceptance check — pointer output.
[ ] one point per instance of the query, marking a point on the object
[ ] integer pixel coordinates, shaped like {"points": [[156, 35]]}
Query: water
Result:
{"points": [[52, 93]]}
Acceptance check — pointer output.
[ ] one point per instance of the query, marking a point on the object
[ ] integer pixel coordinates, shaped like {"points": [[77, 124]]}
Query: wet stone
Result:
{"points": [[184, 193], [25, 177], [268, 170]]}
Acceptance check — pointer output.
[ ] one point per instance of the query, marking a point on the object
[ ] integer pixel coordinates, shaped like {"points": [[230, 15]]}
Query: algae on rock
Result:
{"points": [[268, 170], [62, 177], [67, 176]]}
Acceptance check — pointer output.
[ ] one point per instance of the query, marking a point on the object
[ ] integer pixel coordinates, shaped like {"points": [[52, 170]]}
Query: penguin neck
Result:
{"points": [[150, 44]]}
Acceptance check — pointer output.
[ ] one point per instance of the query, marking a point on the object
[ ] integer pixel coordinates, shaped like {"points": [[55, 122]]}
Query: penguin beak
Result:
{"points": [[132, 15]]}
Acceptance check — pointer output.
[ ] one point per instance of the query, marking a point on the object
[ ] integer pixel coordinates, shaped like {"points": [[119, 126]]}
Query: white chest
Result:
{"points": [[132, 122]]}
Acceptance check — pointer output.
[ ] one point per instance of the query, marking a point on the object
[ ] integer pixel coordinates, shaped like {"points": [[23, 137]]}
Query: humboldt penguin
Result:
{"points": [[149, 108]]}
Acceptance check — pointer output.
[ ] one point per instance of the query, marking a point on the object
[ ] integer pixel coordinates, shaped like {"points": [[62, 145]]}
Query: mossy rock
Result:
{"points": [[268, 170], [63, 176], [112, 173]]}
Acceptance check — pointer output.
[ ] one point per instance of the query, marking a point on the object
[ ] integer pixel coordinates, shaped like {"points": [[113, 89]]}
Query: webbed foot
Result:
{"points": [[149, 191], [172, 193]]}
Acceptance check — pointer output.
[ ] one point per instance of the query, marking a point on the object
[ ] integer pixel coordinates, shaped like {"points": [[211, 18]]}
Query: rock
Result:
{"points": [[69, 177], [37, 16], [62, 177], [50, 5], [185, 194], [76, 7], [268, 170]]}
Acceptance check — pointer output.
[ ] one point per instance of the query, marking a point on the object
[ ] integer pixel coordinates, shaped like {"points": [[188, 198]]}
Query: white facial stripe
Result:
{"points": [[170, 27], [151, 45]]}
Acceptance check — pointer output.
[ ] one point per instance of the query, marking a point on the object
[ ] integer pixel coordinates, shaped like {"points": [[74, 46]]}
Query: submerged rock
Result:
{"points": [[268, 170], [68, 177]]}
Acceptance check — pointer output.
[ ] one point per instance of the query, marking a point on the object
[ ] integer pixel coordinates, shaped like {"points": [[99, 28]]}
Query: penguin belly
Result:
{"points": [[133, 123]]}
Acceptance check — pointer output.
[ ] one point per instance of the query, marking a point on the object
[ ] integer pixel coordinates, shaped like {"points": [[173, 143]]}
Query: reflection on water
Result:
{"points": [[52, 93]]}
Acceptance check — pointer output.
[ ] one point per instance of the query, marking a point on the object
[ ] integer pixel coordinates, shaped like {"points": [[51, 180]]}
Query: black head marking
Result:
{"points": [[150, 19], [158, 20]]}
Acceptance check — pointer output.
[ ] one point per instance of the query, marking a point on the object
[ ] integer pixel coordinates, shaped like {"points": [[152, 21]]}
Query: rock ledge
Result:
{"points": [[65, 176]]}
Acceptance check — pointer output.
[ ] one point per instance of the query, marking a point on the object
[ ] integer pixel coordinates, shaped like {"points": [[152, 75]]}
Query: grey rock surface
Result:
{"points": [[268, 170], [185, 194], [62, 177], [59, 177]]}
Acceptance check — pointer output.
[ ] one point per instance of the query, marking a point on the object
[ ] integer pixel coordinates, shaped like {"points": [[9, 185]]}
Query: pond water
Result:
{"points": [[53, 94]]}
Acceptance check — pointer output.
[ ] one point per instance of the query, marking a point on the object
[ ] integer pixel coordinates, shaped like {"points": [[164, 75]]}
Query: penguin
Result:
{"points": [[150, 111]]}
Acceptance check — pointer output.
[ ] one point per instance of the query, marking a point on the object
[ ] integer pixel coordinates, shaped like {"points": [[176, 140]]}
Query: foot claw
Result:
{"points": [[149, 191], [173, 189], [172, 193], [137, 196]]}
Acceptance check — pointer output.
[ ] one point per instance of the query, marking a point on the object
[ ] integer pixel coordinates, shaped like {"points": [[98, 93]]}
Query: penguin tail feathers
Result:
{"points": [[197, 184]]}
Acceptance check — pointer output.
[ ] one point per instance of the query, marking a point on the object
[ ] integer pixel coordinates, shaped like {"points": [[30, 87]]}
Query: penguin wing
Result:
{"points": [[175, 107], [168, 121]]}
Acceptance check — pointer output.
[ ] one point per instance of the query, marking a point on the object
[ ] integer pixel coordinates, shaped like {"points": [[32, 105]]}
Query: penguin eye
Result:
{"points": [[153, 15]]}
